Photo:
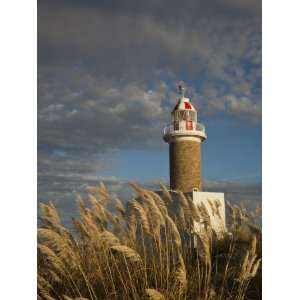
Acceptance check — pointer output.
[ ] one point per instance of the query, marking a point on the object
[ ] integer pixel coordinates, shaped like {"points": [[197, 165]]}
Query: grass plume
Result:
{"points": [[146, 250]]}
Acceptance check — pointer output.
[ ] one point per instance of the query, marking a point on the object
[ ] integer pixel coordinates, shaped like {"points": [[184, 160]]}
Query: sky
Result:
{"points": [[107, 77]]}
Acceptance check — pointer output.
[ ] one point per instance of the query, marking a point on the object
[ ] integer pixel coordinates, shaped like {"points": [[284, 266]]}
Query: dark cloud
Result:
{"points": [[135, 37]]}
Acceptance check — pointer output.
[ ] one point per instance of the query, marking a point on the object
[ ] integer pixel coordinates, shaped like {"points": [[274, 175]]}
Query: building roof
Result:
{"points": [[184, 104]]}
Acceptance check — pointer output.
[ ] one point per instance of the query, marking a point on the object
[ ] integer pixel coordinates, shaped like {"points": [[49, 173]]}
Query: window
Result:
{"points": [[189, 125], [184, 115]]}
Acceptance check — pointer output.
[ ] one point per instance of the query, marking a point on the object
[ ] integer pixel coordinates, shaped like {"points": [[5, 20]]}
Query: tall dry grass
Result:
{"points": [[146, 250]]}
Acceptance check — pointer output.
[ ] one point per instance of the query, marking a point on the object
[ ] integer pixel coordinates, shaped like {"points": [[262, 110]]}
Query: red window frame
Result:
{"points": [[189, 125]]}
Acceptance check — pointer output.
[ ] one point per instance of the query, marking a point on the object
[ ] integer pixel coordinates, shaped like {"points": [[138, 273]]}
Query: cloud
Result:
{"points": [[107, 72], [91, 112], [78, 110], [132, 39], [62, 190], [95, 58], [84, 120], [242, 107], [250, 194]]}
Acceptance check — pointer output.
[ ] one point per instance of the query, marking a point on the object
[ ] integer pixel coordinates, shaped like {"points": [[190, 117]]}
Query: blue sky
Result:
{"points": [[107, 76], [230, 153]]}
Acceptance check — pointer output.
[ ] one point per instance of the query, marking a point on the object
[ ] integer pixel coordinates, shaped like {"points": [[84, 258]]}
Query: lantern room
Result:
{"points": [[184, 115], [184, 120]]}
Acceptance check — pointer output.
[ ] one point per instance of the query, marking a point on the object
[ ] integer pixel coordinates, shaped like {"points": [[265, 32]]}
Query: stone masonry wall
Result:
{"points": [[185, 165]]}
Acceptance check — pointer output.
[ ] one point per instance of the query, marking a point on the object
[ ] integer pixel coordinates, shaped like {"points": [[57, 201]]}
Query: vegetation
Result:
{"points": [[146, 250]]}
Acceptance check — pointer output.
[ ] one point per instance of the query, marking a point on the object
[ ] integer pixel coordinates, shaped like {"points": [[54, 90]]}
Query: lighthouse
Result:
{"points": [[184, 135]]}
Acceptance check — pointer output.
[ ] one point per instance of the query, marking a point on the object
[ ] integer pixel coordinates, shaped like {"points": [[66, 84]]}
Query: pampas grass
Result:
{"points": [[147, 250], [129, 253], [154, 294]]}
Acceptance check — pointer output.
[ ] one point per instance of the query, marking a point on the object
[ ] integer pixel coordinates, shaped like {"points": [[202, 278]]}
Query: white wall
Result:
{"points": [[218, 220]]}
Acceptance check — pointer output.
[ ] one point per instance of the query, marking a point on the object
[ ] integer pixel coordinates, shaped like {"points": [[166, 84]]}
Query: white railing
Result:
{"points": [[170, 129]]}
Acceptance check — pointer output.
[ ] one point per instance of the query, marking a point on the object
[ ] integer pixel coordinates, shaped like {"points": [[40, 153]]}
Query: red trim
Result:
{"points": [[187, 105]]}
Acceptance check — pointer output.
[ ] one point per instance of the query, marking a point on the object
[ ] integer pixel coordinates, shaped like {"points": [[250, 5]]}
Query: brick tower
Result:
{"points": [[184, 136]]}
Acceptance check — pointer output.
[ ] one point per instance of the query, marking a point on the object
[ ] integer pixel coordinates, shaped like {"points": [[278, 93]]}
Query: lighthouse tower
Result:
{"points": [[185, 136]]}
